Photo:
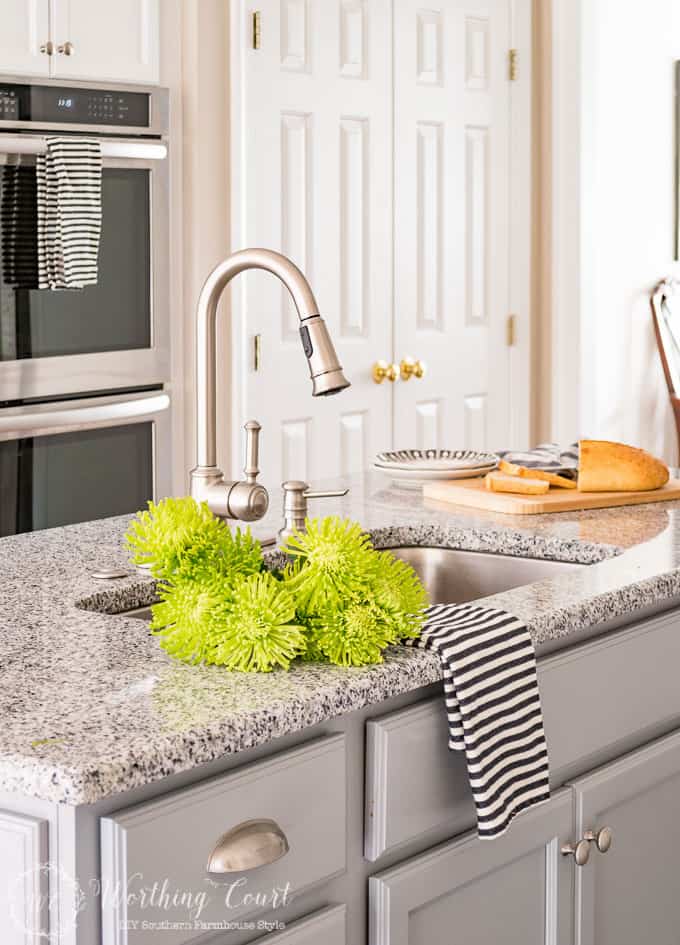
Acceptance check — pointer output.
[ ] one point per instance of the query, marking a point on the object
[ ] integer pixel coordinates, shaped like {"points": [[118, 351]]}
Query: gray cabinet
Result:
{"points": [[516, 889], [169, 839], [24, 884], [326, 927], [586, 724], [630, 895]]}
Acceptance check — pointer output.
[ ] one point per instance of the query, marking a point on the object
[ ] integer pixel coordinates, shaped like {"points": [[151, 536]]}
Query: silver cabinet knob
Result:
{"points": [[66, 49], [580, 851], [47, 48], [247, 846], [602, 839]]}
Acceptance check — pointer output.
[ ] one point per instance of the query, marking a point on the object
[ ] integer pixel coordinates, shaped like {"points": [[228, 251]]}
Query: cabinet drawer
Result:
{"points": [[620, 688], [155, 855], [327, 926]]}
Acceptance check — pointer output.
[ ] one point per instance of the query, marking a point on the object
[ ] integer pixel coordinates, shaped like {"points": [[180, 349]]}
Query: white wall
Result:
{"points": [[621, 170], [194, 65]]}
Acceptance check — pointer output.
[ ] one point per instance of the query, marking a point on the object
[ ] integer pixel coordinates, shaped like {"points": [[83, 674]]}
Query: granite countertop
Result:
{"points": [[91, 706]]}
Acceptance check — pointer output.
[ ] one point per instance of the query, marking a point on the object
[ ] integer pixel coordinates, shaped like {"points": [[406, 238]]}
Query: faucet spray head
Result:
{"points": [[324, 367]]}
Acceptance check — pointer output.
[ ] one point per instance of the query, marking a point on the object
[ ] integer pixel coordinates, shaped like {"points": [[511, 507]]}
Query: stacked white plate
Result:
{"points": [[411, 468]]}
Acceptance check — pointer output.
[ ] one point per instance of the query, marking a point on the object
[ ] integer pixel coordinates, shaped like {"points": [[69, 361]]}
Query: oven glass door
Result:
{"points": [[102, 460], [111, 335], [114, 314]]}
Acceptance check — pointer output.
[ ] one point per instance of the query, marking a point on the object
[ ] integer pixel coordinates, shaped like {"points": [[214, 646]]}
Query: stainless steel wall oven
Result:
{"points": [[84, 375]]}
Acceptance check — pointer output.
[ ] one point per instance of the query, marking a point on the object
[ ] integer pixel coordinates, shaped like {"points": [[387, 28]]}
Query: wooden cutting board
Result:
{"points": [[473, 493]]}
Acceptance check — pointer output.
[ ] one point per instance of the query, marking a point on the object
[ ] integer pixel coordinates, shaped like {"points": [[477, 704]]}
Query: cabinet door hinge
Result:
{"points": [[257, 352], [512, 64], [256, 29], [511, 331]]}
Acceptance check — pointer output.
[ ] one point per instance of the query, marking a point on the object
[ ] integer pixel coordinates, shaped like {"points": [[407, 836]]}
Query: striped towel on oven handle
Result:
{"points": [[69, 201], [493, 708]]}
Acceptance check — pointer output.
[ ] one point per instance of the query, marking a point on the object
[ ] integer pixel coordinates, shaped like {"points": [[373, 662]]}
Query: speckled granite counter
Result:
{"points": [[91, 706]]}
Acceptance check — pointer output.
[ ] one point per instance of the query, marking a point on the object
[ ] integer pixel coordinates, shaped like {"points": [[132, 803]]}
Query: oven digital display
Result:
{"points": [[49, 103]]}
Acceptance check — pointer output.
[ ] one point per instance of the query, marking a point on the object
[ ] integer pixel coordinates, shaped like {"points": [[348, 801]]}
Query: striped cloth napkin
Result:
{"points": [[547, 456], [69, 200], [493, 708]]}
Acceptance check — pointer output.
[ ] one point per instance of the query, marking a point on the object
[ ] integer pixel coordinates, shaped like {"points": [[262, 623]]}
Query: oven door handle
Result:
{"points": [[36, 144], [75, 415]]}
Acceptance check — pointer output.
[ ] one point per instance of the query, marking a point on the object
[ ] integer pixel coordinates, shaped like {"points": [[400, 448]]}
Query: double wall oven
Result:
{"points": [[84, 374]]}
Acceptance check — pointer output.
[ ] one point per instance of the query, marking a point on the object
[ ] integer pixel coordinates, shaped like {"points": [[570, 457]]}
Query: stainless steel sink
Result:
{"points": [[454, 577]]}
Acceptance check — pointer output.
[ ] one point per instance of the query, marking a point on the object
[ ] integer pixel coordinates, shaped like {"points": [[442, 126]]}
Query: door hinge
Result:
{"points": [[257, 352], [512, 65], [256, 29], [511, 331]]}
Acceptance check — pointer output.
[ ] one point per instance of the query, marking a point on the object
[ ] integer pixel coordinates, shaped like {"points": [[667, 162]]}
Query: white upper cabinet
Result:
{"points": [[98, 39], [81, 39], [24, 30]]}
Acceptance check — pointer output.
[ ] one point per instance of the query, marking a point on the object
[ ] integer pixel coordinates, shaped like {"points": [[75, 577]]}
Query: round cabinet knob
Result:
{"points": [[382, 370], [47, 48], [66, 49], [580, 851], [410, 368], [602, 839]]}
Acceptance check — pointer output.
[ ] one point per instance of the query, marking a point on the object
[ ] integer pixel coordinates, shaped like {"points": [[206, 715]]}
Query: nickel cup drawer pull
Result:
{"points": [[248, 846]]}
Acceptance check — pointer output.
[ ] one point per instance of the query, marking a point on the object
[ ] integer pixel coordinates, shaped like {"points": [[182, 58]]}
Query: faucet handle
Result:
{"points": [[252, 468]]}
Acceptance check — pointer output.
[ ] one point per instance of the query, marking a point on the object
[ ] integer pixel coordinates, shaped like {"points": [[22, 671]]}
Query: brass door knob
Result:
{"points": [[382, 370], [66, 49], [411, 368], [47, 48], [580, 851], [602, 838]]}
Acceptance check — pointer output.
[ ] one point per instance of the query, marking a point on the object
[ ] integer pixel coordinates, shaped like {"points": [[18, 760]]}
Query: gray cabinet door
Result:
{"points": [[24, 884], [630, 895], [326, 927], [516, 890]]}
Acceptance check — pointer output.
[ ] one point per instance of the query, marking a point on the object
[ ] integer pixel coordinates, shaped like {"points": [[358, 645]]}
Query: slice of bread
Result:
{"points": [[500, 482], [615, 467], [512, 469]]}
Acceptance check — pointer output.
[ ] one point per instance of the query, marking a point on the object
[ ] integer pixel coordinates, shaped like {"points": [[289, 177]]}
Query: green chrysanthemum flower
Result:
{"points": [[180, 538], [259, 632], [355, 635], [399, 590], [335, 563], [186, 615]]}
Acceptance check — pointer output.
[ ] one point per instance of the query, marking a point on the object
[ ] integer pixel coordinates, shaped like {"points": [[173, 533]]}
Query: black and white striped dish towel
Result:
{"points": [[69, 198], [493, 708]]}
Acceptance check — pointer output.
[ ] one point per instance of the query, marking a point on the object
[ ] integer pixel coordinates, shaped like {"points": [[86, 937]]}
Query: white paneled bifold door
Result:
{"points": [[375, 143]]}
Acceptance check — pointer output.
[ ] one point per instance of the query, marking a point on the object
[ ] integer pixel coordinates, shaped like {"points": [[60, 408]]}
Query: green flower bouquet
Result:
{"points": [[338, 600]]}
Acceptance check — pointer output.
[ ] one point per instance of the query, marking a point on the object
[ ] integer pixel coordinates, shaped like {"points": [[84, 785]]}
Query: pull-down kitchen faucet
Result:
{"points": [[247, 500]]}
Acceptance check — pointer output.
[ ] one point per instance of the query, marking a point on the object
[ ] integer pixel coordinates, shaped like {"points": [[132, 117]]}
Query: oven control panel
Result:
{"points": [[71, 105], [9, 104]]}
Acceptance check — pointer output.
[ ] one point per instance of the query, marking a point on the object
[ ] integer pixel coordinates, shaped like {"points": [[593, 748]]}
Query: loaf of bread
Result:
{"points": [[615, 467], [499, 482], [512, 469]]}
